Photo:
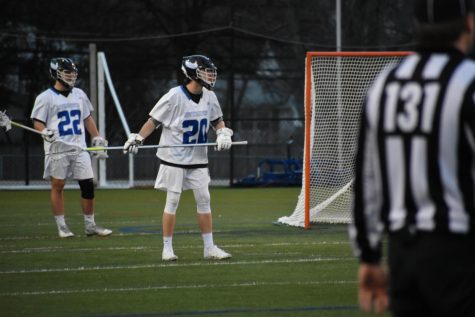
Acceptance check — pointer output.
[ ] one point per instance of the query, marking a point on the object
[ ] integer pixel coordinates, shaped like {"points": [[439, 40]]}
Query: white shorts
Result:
{"points": [[177, 179], [69, 166]]}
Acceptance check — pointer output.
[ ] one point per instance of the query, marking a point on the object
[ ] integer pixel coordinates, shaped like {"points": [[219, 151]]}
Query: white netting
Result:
{"points": [[338, 86]]}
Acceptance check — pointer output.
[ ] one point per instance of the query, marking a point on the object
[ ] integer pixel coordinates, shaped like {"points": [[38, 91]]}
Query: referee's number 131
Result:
{"points": [[417, 108]]}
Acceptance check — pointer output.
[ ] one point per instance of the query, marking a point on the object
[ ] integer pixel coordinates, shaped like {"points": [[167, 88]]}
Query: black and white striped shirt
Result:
{"points": [[416, 153]]}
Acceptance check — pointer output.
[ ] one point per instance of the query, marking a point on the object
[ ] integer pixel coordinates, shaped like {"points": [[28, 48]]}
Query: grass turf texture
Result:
{"points": [[275, 270]]}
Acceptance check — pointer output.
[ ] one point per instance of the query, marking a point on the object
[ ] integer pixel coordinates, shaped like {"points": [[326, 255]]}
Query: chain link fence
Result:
{"points": [[21, 158]]}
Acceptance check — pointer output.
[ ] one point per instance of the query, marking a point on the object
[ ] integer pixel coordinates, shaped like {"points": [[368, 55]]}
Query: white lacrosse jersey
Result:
{"points": [[185, 122], [63, 114]]}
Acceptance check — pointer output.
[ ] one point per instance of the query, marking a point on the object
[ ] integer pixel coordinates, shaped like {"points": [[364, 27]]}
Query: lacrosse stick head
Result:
{"points": [[5, 121], [59, 149]]}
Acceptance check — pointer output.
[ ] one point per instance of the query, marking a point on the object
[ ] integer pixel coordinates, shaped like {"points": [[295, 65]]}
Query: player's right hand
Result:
{"points": [[49, 135], [372, 288], [132, 144]]}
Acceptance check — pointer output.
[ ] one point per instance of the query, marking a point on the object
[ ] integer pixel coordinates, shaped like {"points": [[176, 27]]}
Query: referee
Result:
{"points": [[415, 175]]}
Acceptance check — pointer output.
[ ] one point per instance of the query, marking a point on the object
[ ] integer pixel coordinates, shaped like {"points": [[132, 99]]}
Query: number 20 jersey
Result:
{"points": [[63, 114], [185, 122]]}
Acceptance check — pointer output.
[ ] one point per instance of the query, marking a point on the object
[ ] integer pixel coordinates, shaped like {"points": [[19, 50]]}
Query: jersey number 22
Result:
{"points": [[69, 122]]}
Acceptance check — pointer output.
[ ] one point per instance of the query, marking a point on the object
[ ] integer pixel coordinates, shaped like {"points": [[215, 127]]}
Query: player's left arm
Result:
{"points": [[89, 122], [218, 124], [224, 135], [91, 127], [96, 139]]}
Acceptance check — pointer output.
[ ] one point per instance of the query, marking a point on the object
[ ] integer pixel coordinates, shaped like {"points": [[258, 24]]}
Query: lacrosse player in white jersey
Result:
{"points": [[63, 114], [186, 113]]}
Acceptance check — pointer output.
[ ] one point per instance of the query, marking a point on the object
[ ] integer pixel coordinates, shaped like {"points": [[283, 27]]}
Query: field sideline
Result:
{"points": [[275, 270]]}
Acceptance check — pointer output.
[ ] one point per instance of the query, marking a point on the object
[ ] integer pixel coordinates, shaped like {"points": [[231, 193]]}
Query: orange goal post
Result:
{"points": [[335, 86]]}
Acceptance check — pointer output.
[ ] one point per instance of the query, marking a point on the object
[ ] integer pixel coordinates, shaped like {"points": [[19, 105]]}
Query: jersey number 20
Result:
{"points": [[198, 132], [69, 122]]}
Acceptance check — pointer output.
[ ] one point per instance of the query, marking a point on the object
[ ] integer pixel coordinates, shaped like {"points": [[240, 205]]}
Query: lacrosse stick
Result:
{"points": [[59, 147], [7, 123]]}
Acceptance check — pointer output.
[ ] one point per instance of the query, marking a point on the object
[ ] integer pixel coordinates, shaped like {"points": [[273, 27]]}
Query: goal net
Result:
{"points": [[335, 86]]}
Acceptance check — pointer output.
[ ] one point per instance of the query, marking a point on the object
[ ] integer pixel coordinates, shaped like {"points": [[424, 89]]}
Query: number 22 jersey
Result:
{"points": [[64, 114]]}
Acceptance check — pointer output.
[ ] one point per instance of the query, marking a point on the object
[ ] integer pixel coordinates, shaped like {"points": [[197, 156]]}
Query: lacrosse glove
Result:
{"points": [[132, 144], [49, 135], [224, 139], [99, 141]]}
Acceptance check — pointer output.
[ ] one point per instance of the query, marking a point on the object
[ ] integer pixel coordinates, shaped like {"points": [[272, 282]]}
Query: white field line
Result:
{"points": [[115, 234], [54, 237], [173, 265], [72, 250], [156, 231], [146, 222], [149, 222], [172, 287], [27, 216]]}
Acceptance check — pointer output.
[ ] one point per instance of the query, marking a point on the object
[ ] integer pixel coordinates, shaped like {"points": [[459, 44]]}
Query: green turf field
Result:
{"points": [[275, 270]]}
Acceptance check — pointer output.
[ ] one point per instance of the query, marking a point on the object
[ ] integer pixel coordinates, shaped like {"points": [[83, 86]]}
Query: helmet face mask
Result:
{"points": [[208, 76], [64, 70], [200, 69]]}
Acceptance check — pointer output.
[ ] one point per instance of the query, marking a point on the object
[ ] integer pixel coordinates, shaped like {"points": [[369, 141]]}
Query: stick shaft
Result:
{"points": [[157, 146], [25, 127]]}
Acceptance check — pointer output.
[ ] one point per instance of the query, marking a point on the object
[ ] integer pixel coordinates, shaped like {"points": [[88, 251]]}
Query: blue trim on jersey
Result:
{"points": [[54, 90], [185, 91]]}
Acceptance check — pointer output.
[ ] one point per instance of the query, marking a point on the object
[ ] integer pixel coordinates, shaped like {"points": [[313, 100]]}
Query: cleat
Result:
{"points": [[216, 253], [92, 230], [64, 232], [168, 255]]}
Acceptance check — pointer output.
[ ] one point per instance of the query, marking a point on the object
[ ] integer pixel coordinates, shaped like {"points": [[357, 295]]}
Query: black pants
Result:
{"points": [[432, 275]]}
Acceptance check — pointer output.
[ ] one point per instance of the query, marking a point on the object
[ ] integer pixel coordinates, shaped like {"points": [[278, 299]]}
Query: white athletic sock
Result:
{"points": [[89, 220], [168, 243], [208, 239], [60, 222]]}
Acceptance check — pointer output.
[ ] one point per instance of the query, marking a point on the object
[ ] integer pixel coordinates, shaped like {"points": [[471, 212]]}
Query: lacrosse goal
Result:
{"points": [[335, 86]]}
